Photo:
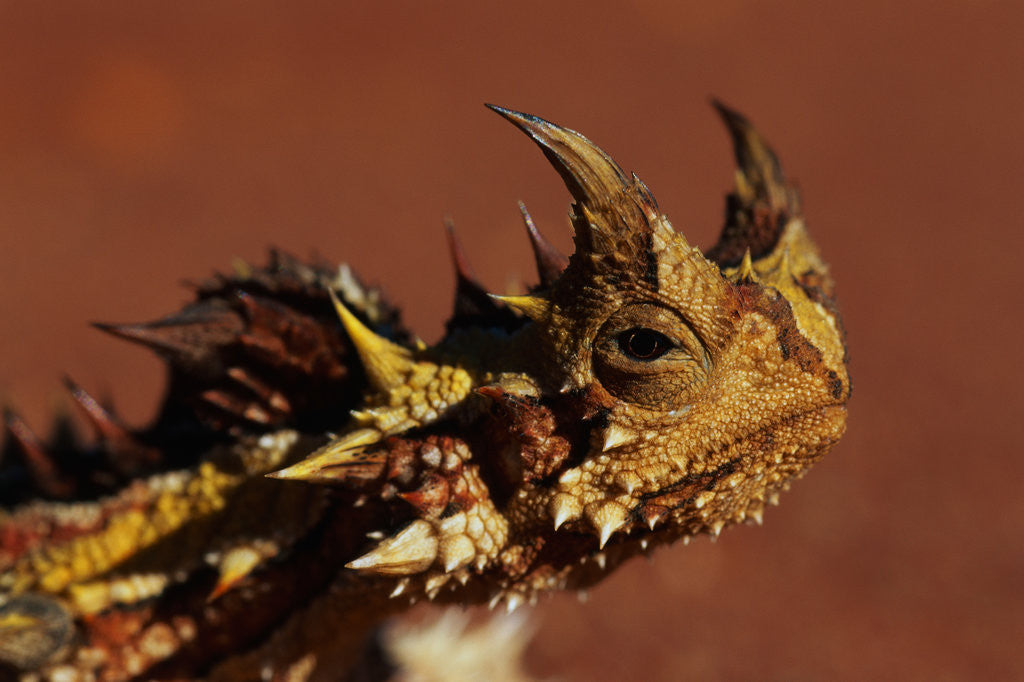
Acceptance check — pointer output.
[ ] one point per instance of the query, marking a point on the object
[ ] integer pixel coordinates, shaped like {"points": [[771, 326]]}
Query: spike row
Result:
{"points": [[60, 469], [468, 538]]}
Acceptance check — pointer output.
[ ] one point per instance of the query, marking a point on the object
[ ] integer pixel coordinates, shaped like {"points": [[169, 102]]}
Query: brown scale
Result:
{"points": [[522, 431]]}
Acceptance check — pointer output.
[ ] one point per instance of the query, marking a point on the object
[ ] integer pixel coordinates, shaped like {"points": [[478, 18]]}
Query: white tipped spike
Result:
{"points": [[716, 529], [756, 514], [495, 600], [564, 507], [411, 551], [456, 552], [570, 477], [602, 560], [702, 499], [628, 481], [615, 435], [400, 587], [434, 583], [644, 544], [513, 602], [361, 416], [607, 518]]}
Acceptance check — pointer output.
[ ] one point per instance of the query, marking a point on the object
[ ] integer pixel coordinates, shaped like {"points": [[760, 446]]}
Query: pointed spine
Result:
{"points": [[610, 207], [537, 308], [236, 564], [127, 455], [386, 363], [339, 460], [413, 550], [606, 517], [745, 273], [758, 164], [615, 435], [564, 507], [42, 468], [550, 261], [470, 296]]}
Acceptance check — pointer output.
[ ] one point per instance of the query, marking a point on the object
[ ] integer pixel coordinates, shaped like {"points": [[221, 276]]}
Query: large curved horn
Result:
{"points": [[610, 206]]}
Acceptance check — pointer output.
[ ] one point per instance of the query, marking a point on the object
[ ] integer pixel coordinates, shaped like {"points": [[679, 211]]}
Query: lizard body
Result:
{"points": [[315, 469]]}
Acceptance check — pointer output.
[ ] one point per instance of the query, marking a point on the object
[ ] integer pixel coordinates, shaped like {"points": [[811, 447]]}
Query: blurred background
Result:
{"points": [[146, 143]]}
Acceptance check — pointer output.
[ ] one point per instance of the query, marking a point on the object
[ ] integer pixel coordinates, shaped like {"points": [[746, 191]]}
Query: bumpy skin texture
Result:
{"points": [[641, 393]]}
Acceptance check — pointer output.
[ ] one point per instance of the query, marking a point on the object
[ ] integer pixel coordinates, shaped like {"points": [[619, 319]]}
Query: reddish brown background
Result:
{"points": [[142, 143]]}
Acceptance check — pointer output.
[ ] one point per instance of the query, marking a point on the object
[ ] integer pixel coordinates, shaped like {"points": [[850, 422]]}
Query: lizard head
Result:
{"points": [[644, 391]]}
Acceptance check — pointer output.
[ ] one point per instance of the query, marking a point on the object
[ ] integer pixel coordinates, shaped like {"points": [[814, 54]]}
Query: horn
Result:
{"points": [[610, 206]]}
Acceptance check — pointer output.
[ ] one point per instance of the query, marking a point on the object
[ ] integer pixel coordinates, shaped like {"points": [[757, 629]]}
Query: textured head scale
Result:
{"points": [[651, 392]]}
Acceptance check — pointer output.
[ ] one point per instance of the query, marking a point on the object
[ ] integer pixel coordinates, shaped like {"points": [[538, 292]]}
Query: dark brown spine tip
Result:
{"points": [[143, 334], [550, 261], [753, 155], [733, 119], [463, 270], [470, 297], [763, 202], [42, 467], [123, 450], [98, 416]]}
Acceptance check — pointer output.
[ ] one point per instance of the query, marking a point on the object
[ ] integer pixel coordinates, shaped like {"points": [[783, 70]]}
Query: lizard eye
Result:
{"points": [[644, 344], [648, 355]]}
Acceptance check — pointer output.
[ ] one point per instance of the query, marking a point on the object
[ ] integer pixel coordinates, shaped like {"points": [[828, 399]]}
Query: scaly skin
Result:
{"points": [[641, 393]]}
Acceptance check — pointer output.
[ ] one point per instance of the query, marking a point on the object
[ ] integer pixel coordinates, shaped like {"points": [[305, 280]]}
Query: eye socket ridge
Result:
{"points": [[644, 344]]}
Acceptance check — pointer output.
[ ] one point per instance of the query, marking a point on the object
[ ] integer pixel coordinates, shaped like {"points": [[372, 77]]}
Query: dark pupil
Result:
{"points": [[644, 344]]}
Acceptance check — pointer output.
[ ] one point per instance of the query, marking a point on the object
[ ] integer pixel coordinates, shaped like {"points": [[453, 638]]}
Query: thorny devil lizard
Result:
{"points": [[642, 392]]}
